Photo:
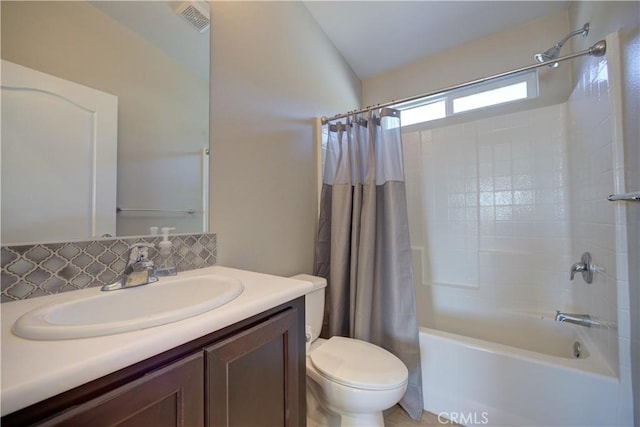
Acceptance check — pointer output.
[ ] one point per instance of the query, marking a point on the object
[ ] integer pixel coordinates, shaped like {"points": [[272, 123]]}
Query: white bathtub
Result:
{"points": [[515, 370]]}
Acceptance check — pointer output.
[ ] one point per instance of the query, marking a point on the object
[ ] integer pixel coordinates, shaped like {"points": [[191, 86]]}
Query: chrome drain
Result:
{"points": [[577, 349]]}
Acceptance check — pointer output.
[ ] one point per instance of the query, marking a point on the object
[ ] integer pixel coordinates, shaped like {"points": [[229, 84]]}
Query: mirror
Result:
{"points": [[157, 65]]}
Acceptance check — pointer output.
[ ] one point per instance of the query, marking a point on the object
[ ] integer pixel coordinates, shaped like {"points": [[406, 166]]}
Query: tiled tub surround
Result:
{"points": [[488, 213], [30, 271], [499, 209]]}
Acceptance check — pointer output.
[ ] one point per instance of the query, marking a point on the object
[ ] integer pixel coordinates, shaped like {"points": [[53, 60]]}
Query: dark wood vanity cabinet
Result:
{"points": [[249, 374], [253, 377], [169, 397]]}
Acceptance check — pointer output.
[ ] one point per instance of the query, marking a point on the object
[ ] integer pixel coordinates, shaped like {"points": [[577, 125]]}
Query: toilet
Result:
{"points": [[349, 381]]}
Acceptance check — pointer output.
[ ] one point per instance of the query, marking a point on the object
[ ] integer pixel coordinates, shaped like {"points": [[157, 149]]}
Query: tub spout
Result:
{"points": [[576, 319]]}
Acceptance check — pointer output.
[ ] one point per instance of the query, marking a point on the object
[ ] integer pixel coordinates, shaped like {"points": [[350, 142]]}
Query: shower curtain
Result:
{"points": [[363, 246]]}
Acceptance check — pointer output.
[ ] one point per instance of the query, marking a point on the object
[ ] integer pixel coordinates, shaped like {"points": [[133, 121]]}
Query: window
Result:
{"points": [[490, 97], [423, 113], [482, 95]]}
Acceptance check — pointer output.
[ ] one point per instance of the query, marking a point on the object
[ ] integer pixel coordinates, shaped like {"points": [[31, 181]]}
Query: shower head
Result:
{"points": [[548, 55], [553, 52]]}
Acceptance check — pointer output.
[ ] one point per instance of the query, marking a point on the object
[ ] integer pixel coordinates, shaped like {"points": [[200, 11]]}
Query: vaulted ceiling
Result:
{"points": [[378, 36]]}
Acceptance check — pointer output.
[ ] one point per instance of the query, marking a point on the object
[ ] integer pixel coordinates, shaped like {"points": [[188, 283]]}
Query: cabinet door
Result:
{"points": [[255, 377], [171, 396]]}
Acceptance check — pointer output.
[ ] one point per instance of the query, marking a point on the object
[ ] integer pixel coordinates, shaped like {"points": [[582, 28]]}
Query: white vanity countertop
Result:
{"points": [[35, 370]]}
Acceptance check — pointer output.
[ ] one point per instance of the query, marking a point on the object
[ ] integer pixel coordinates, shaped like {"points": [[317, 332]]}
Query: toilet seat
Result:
{"points": [[359, 364]]}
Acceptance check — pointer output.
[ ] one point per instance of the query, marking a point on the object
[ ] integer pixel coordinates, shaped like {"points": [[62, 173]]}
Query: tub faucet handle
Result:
{"points": [[578, 267], [585, 267]]}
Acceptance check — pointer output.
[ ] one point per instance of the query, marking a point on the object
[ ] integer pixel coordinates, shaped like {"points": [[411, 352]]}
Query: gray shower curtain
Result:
{"points": [[363, 246]]}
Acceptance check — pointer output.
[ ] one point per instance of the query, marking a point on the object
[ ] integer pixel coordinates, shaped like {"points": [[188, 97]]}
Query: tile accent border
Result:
{"points": [[30, 271]]}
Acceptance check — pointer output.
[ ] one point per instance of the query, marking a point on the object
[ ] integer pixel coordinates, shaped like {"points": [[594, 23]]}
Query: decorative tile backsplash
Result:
{"points": [[30, 271]]}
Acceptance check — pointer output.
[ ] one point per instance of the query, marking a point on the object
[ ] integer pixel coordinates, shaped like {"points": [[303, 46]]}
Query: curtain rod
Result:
{"points": [[597, 49]]}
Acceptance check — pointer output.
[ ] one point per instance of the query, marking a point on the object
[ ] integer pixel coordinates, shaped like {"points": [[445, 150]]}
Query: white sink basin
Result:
{"points": [[112, 312]]}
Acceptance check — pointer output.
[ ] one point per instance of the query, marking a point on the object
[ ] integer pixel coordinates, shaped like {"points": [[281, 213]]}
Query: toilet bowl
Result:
{"points": [[349, 381]]}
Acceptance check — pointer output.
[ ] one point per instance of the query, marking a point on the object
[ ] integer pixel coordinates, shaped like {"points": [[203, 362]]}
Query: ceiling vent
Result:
{"points": [[195, 13]]}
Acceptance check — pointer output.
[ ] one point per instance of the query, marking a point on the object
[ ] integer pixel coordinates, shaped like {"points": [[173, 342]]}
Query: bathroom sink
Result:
{"points": [[106, 313]]}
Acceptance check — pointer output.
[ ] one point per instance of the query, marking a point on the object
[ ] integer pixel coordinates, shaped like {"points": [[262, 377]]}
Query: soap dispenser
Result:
{"points": [[165, 265]]}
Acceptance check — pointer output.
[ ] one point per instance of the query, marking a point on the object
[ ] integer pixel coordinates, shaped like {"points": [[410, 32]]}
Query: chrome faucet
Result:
{"points": [[140, 270], [578, 267], [585, 267], [576, 319]]}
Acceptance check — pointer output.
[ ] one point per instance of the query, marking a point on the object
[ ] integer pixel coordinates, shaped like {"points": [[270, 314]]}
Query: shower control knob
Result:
{"points": [[585, 267]]}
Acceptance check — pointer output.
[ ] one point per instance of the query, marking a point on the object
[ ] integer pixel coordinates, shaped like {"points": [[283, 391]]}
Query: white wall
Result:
{"points": [[597, 225], [624, 17], [272, 72]]}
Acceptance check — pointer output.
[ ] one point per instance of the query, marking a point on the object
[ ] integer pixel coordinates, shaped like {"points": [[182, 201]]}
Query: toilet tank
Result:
{"points": [[314, 303]]}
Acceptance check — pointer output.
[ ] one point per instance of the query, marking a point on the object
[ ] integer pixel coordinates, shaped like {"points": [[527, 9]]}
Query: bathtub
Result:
{"points": [[515, 369]]}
